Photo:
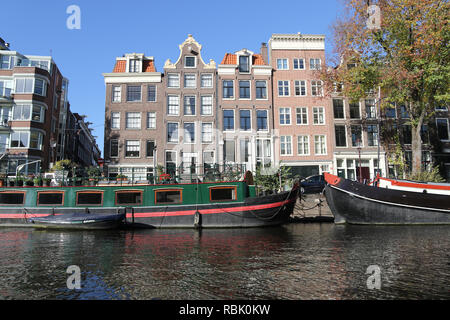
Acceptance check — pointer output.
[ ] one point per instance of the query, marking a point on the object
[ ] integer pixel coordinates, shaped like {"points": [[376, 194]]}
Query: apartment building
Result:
{"points": [[134, 119], [245, 112], [189, 113], [303, 117], [31, 93]]}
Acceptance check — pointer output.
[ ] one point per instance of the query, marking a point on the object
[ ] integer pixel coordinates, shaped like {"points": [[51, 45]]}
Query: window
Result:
{"points": [[133, 120], [132, 148], [245, 120], [263, 152], [168, 196], [318, 115], [261, 120], [282, 64], [22, 112], [261, 89], [206, 105], [299, 64], [36, 140], [12, 198], [229, 151], [404, 114], [207, 132], [190, 80], [150, 146], [39, 87], [372, 135], [151, 93], [115, 120], [244, 64], [228, 89], [228, 120], [314, 64], [341, 140], [24, 85], [285, 145], [354, 110], [390, 112], [172, 132], [134, 65], [5, 88], [442, 129], [189, 132], [151, 120], [133, 93], [300, 87], [129, 197], [371, 111], [19, 139], [406, 134], [116, 94], [189, 105], [5, 62], [244, 89], [189, 62], [356, 136], [303, 145], [222, 193], [320, 146], [316, 88], [338, 108], [302, 115], [173, 80], [114, 148], [283, 88], [45, 198], [171, 162], [285, 116], [206, 80], [244, 150], [173, 105], [89, 198], [189, 162]]}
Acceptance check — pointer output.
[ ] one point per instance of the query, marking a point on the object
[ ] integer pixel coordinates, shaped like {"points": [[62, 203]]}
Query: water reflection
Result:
{"points": [[297, 261]]}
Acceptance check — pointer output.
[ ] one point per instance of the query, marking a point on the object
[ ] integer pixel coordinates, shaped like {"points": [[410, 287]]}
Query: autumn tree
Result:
{"points": [[399, 47]]}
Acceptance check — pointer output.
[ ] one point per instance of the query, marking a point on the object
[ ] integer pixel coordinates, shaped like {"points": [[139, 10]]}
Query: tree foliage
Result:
{"points": [[406, 56]]}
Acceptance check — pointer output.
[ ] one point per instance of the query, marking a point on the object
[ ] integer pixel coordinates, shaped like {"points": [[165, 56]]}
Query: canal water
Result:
{"points": [[294, 261]]}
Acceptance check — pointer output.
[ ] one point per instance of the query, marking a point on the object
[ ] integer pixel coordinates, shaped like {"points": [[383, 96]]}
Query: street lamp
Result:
{"points": [[358, 143], [20, 167]]}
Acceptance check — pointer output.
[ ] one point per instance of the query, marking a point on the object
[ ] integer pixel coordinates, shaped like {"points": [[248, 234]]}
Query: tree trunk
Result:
{"points": [[416, 143]]}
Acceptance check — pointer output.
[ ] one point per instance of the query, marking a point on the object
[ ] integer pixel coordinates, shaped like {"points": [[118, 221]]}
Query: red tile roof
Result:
{"points": [[147, 66], [231, 58]]}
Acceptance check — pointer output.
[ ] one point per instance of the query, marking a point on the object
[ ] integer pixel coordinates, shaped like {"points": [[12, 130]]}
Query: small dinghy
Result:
{"points": [[79, 220]]}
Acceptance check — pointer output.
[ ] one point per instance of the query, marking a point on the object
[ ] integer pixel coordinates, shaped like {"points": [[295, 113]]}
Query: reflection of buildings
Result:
{"points": [[33, 112]]}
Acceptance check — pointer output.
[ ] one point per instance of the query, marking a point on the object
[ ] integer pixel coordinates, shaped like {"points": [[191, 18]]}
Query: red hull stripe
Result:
{"points": [[417, 185], [171, 213]]}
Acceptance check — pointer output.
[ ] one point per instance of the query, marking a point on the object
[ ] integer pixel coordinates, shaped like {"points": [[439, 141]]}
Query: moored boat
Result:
{"points": [[188, 205], [406, 185], [356, 203]]}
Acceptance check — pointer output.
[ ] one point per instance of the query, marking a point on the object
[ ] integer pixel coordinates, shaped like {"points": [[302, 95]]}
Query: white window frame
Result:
{"points": [[234, 120], [324, 143], [321, 111], [110, 148], [138, 145], [266, 93], [303, 116], [267, 120], [201, 80], [176, 79], [113, 118], [156, 92], [298, 63], [178, 132], [148, 124], [195, 105], [345, 130], [286, 143], [118, 98], [249, 89], [284, 66], [298, 84], [284, 113], [195, 62], [168, 113], [234, 90], [210, 132], [315, 64], [318, 84], [185, 141], [302, 136], [201, 105], [194, 81], [251, 126], [127, 124], [283, 85]]}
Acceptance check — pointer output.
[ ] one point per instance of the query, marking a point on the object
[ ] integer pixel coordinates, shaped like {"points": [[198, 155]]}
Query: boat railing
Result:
{"points": [[184, 173]]}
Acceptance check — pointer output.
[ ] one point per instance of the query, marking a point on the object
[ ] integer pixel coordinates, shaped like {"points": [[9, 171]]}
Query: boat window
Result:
{"points": [[85, 198], [128, 197], [8, 198], [222, 193], [168, 196], [50, 198]]}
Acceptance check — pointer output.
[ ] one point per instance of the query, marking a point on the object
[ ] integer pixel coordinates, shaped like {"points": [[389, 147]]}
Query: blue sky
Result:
{"points": [[156, 28]]}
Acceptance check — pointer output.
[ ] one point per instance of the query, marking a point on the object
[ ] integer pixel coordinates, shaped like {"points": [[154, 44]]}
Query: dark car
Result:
{"points": [[312, 184]]}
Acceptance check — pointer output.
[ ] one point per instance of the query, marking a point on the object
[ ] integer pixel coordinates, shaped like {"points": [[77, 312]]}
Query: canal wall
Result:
{"points": [[312, 208]]}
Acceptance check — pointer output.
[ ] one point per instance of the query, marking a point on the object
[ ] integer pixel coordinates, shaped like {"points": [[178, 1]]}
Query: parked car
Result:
{"points": [[312, 184]]}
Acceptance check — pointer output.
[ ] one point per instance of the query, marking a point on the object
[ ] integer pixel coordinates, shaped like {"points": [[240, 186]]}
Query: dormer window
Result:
{"points": [[189, 62], [134, 65], [244, 64]]}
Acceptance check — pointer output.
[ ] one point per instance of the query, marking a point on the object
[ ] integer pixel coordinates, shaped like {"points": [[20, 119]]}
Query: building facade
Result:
{"points": [[303, 117], [245, 113]]}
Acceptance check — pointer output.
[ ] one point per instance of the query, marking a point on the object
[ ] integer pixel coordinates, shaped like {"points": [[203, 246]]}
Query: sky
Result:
{"points": [[109, 29]]}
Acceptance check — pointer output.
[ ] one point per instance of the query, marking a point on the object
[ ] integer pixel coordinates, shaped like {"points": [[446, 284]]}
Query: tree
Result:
{"points": [[405, 53]]}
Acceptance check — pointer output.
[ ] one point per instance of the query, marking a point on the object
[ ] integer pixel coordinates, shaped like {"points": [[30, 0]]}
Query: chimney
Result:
{"points": [[263, 52]]}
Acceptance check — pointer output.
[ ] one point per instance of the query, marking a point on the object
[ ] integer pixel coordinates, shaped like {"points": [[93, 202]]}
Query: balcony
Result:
{"points": [[5, 94]]}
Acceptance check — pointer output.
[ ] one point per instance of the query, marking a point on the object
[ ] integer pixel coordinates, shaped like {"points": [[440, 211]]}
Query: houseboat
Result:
{"points": [[356, 203], [213, 204]]}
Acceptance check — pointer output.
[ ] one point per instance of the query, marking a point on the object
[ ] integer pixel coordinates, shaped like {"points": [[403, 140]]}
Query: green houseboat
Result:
{"points": [[200, 204]]}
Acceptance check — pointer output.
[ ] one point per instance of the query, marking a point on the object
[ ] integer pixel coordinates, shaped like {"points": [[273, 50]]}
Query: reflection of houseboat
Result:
{"points": [[199, 204], [357, 203]]}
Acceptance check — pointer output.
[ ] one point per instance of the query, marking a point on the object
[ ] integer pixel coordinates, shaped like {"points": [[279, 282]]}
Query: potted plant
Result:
{"points": [[47, 181], [19, 180], [38, 181], [2, 179], [121, 177], [94, 174]]}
